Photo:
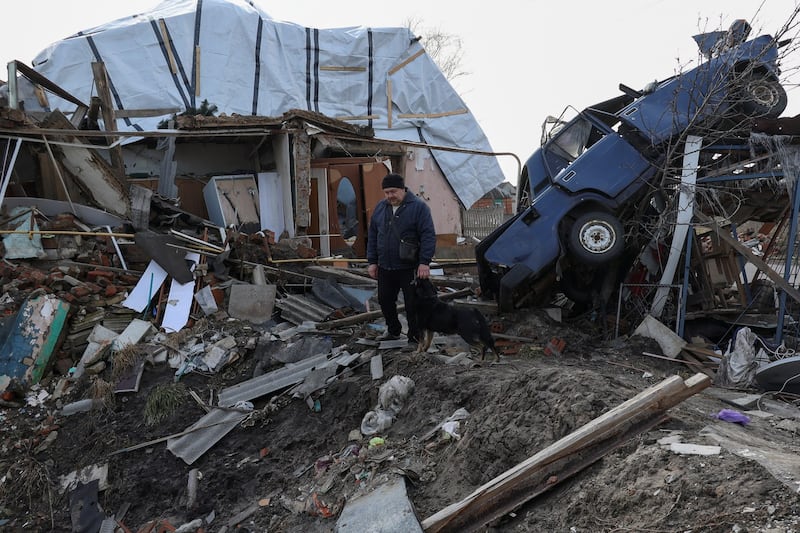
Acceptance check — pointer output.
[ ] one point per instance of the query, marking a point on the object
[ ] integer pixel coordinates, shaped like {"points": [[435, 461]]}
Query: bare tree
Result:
{"points": [[446, 49]]}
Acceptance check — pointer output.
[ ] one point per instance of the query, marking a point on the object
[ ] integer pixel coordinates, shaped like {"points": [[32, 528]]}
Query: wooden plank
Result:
{"points": [[389, 103], [345, 118], [694, 363], [139, 113], [173, 66], [702, 351], [197, 71], [38, 79], [104, 92], [372, 315], [433, 115], [517, 485], [339, 274], [396, 68], [334, 68]]}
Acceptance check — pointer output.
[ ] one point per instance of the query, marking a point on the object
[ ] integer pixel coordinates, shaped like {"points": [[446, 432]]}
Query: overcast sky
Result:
{"points": [[526, 59]]}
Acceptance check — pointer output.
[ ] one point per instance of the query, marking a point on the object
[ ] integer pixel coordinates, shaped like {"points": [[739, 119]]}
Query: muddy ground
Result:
{"points": [[294, 467]]}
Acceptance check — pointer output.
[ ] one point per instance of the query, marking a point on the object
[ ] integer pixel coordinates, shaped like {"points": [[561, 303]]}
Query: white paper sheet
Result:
{"points": [[179, 303], [148, 286]]}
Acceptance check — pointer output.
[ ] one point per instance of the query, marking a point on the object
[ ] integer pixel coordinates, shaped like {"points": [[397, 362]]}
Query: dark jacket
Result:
{"points": [[413, 218]]}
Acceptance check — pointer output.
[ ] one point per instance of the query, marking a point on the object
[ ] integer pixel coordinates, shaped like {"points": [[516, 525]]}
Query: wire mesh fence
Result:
{"points": [[635, 302], [479, 223]]}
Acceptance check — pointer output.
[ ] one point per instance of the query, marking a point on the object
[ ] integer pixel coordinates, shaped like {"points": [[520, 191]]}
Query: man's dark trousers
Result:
{"points": [[390, 283]]}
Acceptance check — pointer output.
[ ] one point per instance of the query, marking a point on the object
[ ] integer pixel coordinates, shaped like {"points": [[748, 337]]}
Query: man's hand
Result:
{"points": [[423, 272], [372, 270]]}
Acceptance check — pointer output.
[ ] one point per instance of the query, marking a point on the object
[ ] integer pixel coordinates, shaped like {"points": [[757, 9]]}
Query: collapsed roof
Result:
{"points": [[235, 56]]}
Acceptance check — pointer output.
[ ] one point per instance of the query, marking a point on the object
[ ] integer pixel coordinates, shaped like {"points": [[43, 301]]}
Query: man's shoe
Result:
{"points": [[386, 336]]}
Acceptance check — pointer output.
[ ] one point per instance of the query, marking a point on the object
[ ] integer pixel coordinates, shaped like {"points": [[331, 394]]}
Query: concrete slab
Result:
{"points": [[386, 509], [135, 331], [253, 303]]}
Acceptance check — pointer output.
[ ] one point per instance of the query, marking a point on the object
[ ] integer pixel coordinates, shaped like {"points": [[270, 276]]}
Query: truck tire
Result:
{"points": [[579, 286], [760, 96], [596, 238]]}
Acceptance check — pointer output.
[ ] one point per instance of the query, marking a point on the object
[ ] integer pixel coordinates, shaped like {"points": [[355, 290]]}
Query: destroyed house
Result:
{"points": [[272, 126]]}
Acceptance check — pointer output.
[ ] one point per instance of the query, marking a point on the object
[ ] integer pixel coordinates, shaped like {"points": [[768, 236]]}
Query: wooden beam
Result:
{"points": [[334, 68], [399, 66], [372, 315], [433, 115], [345, 118], [695, 364], [107, 107], [42, 81], [565, 457], [197, 57], [173, 65], [389, 102], [131, 113], [339, 274]]}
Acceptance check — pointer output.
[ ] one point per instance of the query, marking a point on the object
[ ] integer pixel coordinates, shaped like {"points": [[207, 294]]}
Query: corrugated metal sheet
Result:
{"points": [[214, 425], [298, 309], [270, 382], [219, 422]]}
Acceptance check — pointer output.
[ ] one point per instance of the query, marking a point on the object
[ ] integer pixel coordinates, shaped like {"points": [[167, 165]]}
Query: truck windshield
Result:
{"points": [[572, 139], [565, 140]]}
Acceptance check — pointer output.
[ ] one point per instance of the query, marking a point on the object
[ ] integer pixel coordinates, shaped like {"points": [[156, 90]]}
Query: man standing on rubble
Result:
{"points": [[400, 246]]}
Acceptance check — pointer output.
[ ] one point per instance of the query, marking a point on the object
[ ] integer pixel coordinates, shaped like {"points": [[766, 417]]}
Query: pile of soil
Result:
{"points": [[293, 464]]}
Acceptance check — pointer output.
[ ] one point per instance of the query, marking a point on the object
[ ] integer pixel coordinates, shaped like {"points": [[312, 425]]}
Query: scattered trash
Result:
{"points": [[451, 429], [685, 448], [451, 422], [81, 406], [392, 396], [730, 415], [739, 364]]}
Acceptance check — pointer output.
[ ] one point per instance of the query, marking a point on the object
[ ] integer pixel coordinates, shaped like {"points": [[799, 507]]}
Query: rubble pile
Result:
{"points": [[189, 340]]}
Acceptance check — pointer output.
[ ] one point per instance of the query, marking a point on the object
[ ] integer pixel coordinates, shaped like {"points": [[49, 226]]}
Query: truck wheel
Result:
{"points": [[579, 284], [762, 97], [596, 238]]}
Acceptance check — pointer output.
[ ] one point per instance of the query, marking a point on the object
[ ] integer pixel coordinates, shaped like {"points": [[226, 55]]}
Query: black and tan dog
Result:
{"points": [[434, 315]]}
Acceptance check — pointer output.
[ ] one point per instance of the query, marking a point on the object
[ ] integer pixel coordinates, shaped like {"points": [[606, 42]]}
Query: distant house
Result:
{"points": [[504, 195], [490, 211], [322, 116]]}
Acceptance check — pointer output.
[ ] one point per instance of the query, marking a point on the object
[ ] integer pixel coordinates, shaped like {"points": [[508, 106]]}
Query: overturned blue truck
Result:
{"points": [[600, 172]]}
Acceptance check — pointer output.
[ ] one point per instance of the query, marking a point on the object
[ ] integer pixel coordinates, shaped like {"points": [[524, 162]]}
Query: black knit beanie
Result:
{"points": [[393, 181]]}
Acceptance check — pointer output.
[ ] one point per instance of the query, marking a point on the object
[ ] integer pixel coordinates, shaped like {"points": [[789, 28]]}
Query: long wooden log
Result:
{"points": [[565, 457], [372, 315]]}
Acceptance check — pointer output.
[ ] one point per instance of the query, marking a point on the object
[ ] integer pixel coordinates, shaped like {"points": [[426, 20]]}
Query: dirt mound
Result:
{"points": [[292, 467]]}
